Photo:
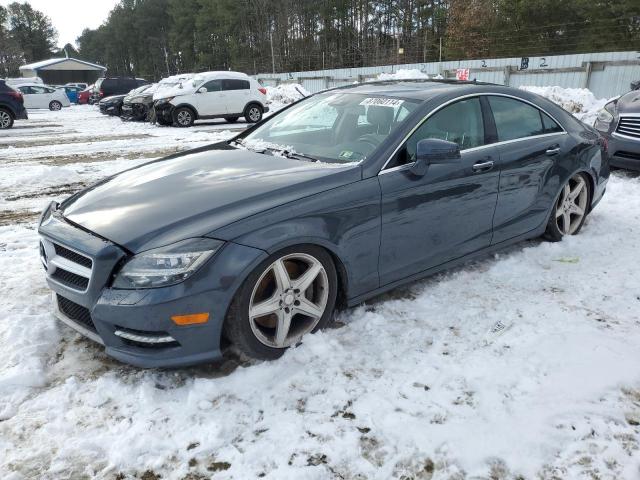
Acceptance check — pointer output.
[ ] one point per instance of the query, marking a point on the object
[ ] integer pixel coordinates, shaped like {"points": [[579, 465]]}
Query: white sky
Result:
{"points": [[70, 17]]}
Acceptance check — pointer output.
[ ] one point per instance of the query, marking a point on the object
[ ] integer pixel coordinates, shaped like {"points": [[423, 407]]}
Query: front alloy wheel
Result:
{"points": [[570, 210], [183, 117], [290, 295]]}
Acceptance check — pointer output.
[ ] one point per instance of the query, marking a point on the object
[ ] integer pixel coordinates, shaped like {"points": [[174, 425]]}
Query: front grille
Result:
{"points": [[628, 155], [72, 256], [75, 312], [629, 126], [70, 279], [65, 266]]}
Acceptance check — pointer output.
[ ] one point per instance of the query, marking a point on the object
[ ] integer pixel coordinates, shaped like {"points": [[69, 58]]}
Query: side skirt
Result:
{"points": [[445, 266]]}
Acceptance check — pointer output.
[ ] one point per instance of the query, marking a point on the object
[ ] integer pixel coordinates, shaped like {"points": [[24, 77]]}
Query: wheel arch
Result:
{"points": [[332, 250], [189, 106], [9, 110]]}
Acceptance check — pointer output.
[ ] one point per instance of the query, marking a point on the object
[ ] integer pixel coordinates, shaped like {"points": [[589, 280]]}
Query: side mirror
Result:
{"points": [[433, 151], [202, 90]]}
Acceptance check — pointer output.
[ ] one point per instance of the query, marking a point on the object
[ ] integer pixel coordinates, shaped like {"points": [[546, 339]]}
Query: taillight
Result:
{"points": [[262, 90], [17, 95]]}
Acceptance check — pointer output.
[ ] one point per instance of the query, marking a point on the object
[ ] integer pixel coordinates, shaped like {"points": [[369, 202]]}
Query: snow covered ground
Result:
{"points": [[415, 384]]}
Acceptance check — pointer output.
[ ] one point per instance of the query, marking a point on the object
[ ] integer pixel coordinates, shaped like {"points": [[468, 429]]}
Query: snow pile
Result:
{"points": [[284, 94], [581, 102], [403, 74]]}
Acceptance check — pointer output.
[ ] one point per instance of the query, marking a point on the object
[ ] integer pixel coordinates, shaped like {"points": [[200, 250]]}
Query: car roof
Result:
{"points": [[222, 74], [418, 89]]}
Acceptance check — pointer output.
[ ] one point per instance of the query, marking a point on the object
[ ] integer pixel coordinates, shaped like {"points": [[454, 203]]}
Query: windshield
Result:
{"points": [[334, 127]]}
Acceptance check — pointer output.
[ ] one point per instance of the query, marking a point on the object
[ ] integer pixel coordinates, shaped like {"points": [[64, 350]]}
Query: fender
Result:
{"points": [[188, 105]]}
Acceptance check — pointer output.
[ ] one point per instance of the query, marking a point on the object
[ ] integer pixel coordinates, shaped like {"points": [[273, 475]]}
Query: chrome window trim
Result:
{"points": [[383, 170]]}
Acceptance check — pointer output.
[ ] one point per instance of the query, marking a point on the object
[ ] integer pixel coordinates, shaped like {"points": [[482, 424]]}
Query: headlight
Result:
{"points": [[604, 116], [164, 100], [166, 265]]}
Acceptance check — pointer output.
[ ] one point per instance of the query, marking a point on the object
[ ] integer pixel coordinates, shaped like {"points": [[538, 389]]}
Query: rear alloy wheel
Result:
{"points": [[55, 106], [6, 119], [253, 113], [570, 210], [183, 117], [291, 294]]}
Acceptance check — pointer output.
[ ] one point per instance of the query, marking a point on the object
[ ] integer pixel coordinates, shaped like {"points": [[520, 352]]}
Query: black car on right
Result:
{"points": [[619, 123]]}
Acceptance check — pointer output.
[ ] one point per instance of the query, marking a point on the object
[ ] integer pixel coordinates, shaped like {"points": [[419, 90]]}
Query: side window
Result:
{"points": [[231, 84], [549, 124], [460, 122], [515, 119], [25, 90], [213, 86], [39, 90]]}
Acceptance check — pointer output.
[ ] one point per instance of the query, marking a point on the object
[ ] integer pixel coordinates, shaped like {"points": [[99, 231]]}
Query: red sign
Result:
{"points": [[462, 74]]}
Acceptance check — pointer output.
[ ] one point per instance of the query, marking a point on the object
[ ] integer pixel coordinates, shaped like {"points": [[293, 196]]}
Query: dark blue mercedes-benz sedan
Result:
{"points": [[339, 197]]}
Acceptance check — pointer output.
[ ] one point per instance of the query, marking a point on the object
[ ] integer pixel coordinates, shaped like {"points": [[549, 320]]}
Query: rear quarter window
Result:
{"points": [[232, 84]]}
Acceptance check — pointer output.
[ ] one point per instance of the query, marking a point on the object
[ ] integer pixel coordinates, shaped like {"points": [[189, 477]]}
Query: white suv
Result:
{"points": [[228, 95]]}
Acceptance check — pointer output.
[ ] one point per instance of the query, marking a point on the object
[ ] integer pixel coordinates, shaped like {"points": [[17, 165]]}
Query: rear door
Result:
{"points": [[446, 213], [236, 93], [529, 143]]}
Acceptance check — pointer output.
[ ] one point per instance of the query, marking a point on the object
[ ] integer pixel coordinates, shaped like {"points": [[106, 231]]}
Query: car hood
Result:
{"points": [[194, 193], [113, 98], [175, 91], [629, 103]]}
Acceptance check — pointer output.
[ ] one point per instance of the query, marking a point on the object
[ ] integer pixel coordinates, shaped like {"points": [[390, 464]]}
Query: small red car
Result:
{"points": [[83, 96]]}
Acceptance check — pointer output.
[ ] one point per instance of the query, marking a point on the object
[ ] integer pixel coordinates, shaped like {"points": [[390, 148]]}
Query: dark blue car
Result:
{"points": [[338, 198], [11, 106]]}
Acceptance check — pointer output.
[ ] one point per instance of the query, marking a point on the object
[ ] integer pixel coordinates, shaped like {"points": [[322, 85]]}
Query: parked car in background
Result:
{"points": [[111, 105], [43, 96], [84, 95], [228, 95], [81, 86], [11, 106], [109, 86], [13, 82], [619, 123], [71, 92], [332, 201], [140, 106]]}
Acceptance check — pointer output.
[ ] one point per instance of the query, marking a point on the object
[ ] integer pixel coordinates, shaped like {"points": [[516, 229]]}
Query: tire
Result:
{"points": [[55, 106], [183, 117], [253, 113], [6, 119], [232, 119], [570, 209], [257, 336]]}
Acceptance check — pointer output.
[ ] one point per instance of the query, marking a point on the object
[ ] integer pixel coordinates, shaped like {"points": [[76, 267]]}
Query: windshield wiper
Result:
{"points": [[294, 155]]}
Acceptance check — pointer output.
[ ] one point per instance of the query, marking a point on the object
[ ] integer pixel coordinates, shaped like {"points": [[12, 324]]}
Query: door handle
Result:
{"points": [[553, 150], [483, 165]]}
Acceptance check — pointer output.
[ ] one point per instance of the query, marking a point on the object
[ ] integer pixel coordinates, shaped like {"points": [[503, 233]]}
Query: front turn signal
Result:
{"points": [[193, 319]]}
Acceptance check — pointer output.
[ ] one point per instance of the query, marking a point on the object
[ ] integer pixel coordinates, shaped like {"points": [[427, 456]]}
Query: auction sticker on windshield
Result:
{"points": [[382, 102]]}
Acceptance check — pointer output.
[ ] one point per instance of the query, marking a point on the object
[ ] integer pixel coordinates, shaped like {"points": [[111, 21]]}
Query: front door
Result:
{"points": [[35, 96], [446, 213], [212, 102]]}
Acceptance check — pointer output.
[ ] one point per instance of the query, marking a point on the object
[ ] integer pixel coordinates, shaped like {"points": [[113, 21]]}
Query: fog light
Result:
{"points": [[192, 319]]}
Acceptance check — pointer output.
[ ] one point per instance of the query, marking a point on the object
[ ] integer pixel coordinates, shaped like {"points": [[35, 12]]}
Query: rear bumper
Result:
{"points": [[624, 152], [135, 326], [22, 114]]}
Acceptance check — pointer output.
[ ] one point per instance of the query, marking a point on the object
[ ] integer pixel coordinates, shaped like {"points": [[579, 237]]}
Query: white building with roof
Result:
{"points": [[58, 71]]}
